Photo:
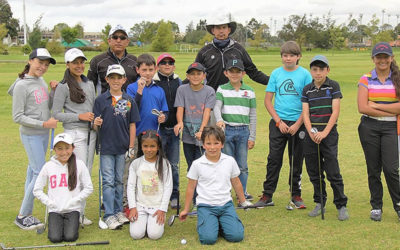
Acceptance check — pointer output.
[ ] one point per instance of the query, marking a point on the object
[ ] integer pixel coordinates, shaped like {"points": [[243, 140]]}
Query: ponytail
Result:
{"points": [[72, 172], [25, 71], [76, 93], [395, 77]]}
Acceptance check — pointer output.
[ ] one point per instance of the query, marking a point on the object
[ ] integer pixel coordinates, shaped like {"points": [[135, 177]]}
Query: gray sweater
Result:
{"points": [[62, 101], [31, 104]]}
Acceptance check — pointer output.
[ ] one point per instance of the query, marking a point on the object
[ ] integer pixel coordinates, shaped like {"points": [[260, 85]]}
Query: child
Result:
{"points": [[286, 84], [73, 106], [116, 113], [214, 174], [69, 185], [149, 188], [194, 102], [321, 106], [31, 109], [169, 81], [235, 112]]}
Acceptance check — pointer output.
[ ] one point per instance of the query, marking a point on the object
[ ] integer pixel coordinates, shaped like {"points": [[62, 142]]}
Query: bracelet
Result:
{"points": [[277, 123]]}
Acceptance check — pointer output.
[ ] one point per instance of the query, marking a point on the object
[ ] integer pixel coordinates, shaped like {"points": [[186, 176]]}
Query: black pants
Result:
{"points": [[328, 150], [277, 144], [63, 227], [379, 142]]}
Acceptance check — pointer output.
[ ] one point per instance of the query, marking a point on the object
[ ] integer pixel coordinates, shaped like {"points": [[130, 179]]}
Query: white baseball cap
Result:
{"points": [[72, 54], [42, 54], [116, 28], [115, 69], [63, 137]]}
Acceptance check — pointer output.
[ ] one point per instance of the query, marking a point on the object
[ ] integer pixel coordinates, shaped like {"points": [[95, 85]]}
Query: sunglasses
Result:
{"points": [[167, 62], [115, 37]]}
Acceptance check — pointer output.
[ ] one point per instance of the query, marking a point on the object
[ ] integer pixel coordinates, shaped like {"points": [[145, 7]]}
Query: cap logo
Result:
{"points": [[382, 47], [194, 64], [234, 62]]}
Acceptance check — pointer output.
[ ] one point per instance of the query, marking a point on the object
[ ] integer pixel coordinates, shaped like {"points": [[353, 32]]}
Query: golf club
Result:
{"points": [[3, 247], [179, 168], [42, 229], [172, 217], [398, 146], [314, 131], [102, 224], [87, 163], [289, 205], [157, 113]]}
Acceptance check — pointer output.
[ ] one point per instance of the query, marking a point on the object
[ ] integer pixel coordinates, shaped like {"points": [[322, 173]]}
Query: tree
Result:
{"points": [[79, 28], [201, 25], [69, 35], [253, 26], [189, 27], [105, 32], [206, 39], [164, 37], [12, 24], [3, 32], [295, 29], [35, 37], [336, 37], [258, 37], [59, 27]]}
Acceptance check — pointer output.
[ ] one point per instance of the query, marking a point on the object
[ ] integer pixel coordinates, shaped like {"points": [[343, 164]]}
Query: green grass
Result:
{"points": [[272, 227]]}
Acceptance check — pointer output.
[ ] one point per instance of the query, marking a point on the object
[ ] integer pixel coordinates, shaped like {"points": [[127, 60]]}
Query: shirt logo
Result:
{"points": [[287, 88], [121, 107]]}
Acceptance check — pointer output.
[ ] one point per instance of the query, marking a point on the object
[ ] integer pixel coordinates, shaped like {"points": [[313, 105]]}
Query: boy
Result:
{"points": [[285, 85], [169, 82], [235, 112], [321, 106], [214, 174], [116, 113], [194, 102]]}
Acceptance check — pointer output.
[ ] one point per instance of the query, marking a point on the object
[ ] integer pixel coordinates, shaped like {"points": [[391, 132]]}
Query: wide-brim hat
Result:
{"points": [[222, 21]]}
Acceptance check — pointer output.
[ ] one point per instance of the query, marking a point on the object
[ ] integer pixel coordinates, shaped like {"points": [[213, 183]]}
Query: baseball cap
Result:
{"points": [[320, 58], [163, 56], [234, 63], [115, 69], [382, 48], [72, 54], [197, 66], [63, 137], [42, 54], [116, 28]]}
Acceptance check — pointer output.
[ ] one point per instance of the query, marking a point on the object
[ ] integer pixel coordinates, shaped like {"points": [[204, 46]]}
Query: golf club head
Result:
{"points": [[41, 230], [171, 220], [3, 246], [289, 207], [155, 112], [102, 224]]}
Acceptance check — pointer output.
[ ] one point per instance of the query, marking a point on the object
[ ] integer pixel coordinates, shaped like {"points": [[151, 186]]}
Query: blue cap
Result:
{"points": [[382, 48], [320, 58]]}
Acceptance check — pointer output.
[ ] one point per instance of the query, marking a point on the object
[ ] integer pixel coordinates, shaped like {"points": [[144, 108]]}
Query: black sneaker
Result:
{"points": [[248, 197], [298, 202], [28, 222], [264, 201]]}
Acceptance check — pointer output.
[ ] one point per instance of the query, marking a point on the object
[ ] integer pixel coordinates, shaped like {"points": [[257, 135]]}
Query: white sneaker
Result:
{"points": [[86, 221], [122, 218], [112, 222]]}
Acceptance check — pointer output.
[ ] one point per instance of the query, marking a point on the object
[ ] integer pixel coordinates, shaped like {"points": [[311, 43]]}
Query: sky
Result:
{"points": [[95, 14]]}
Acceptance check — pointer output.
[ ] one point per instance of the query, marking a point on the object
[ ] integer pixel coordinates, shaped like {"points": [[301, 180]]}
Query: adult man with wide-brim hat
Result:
{"points": [[222, 49]]}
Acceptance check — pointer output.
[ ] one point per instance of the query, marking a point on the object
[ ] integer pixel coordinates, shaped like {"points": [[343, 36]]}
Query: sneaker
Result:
{"points": [[264, 201], [86, 221], [248, 197], [316, 211], [112, 222], [298, 202], [28, 222], [343, 214], [174, 204], [376, 214], [122, 218]]}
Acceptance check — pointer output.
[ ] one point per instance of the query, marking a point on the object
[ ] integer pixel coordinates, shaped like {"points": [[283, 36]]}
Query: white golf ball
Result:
{"points": [[183, 241]]}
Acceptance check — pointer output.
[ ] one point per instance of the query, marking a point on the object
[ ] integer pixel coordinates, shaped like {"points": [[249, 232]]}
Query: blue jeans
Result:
{"points": [[212, 220], [35, 147], [192, 153], [236, 145], [112, 171], [170, 145]]}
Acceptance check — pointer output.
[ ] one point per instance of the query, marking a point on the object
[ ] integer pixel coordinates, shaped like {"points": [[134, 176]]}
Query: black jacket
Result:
{"points": [[170, 85], [99, 64], [214, 60]]}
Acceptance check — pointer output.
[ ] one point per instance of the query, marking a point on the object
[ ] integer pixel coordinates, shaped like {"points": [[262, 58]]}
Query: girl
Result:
{"points": [[69, 186], [149, 187], [31, 109], [378, 101], [75, 96]]}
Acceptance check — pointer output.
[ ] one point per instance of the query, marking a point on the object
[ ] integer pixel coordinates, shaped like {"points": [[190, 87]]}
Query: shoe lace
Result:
{"points": [[297, 198], [375, 211], [264, 197], [29, 220]]}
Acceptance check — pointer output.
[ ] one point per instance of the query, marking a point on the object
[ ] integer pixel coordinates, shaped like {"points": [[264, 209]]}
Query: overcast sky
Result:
{"points": [[95, 14]]}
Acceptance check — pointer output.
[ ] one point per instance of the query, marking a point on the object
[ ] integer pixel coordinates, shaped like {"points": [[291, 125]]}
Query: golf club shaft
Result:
{"points": [[291, 170], [62, 245], [320, 184]]}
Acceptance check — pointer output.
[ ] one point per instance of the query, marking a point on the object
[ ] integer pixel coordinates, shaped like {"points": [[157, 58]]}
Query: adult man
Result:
{"points": [[222, 49], [116, 54]]}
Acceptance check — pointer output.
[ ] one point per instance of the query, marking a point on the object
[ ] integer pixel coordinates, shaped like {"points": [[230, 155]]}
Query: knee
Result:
{"points": [[155, 235], [55, 238], [207, 238], [70, 237], [235, 236], [136, 234]]}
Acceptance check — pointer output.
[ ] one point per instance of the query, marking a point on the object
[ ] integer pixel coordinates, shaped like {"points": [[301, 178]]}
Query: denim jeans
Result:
{"points": [[63, 226], [112, 171], [170, 145], [236, 145], [35, 147], [192, 153]]}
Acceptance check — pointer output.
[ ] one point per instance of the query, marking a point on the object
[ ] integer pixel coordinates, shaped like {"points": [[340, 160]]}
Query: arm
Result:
{"points": [[86, 182], [40, 183], [253, 122], [204, 122], [188, 199], [293, 129], [332, 121], [271, 110], [217, 113], [179, 117], [60, 98], [131, 191], [92, 72], [393, 108], [364, 108], [132, 134], [307, 121], [167, 184], [237, 186]]}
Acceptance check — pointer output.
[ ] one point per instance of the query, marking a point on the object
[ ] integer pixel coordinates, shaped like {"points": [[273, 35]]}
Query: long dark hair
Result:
{"points": [[152, 134], [72, 172], [25, 71], [395, 77], [76, 93]]}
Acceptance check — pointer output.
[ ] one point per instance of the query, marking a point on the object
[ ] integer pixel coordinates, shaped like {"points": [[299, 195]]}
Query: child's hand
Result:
{"points": [[141, 84], [293, 129], [98, 121], [250, 144], [320, 136], [221, 124], [133, 214], [50, 123], [178, 127], [88, 116], [53, 84], [183, 215], [161, 117], [160, 217], [51, 204], [372, 105], [283, 127], [198, 135]]}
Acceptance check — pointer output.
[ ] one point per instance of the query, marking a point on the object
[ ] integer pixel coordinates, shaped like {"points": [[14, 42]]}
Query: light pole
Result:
{"points": [[25, 41], [383, 15]]}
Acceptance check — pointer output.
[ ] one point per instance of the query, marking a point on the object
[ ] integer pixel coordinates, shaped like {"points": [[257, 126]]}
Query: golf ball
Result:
{"points": [[183, 241]]}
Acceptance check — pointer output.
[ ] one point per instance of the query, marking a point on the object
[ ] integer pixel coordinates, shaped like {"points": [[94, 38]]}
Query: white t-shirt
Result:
{"points": [[214, 179]]}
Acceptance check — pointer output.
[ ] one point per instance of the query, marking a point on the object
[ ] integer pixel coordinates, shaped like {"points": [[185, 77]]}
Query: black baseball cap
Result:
{"points": [[382, 48], [42, 54], [197, 66], [234, 63]]}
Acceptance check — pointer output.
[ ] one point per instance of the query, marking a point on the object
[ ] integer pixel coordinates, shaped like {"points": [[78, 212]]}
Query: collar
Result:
{"points": [[326, 83], [116, 57], [374, 75], [159, 76], [203, 159], [243, 86], [108, 95]]}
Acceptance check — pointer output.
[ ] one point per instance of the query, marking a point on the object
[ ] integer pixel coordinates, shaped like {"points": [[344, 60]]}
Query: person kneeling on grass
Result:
{"points": [[214, 174], [69, 185]]}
